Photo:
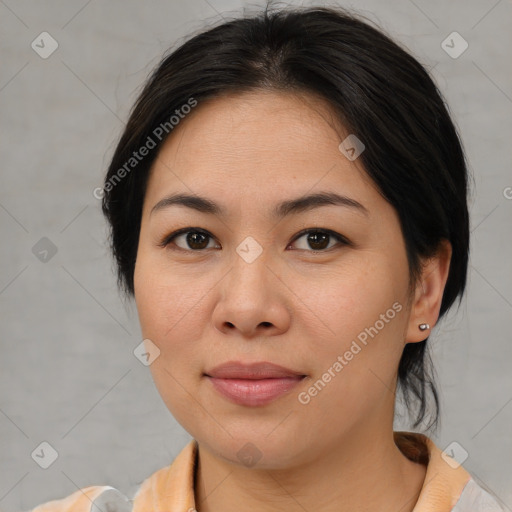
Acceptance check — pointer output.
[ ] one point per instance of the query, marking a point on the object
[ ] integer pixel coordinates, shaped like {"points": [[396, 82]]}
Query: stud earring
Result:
{"points": [[424, 327]]}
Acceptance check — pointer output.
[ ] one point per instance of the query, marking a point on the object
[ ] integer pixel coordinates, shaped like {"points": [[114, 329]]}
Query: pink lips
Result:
{"points": [[252, 384]]}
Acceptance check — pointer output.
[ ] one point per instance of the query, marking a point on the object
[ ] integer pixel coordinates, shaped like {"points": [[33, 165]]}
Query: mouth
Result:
{"points": [[255, 384]]}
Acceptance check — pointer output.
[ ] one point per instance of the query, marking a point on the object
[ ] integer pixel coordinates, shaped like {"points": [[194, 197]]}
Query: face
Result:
{"points": [[261, 274]]}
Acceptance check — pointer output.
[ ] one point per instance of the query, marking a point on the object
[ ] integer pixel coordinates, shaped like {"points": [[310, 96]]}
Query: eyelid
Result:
{"points": [[340, 238], [168, 238]]}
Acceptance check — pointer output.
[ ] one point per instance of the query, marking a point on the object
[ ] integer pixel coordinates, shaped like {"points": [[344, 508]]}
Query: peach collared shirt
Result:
{"points": [[447, 487]]}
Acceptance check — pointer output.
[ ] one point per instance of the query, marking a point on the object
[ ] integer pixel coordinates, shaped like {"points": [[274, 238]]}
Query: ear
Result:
{"points": [[428, 293]]}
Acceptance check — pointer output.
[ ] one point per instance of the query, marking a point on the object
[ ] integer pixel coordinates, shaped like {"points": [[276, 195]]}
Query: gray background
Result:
{"points": [[68, 375]]}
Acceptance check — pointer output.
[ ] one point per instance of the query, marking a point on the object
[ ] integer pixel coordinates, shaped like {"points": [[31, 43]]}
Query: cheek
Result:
{"points": [[170, 306], [362, 321], [351, 298], [160, 294], [167, 308]]}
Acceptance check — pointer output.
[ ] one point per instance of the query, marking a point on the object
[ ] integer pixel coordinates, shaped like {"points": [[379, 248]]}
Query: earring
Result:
{"points": [[424, 327]]}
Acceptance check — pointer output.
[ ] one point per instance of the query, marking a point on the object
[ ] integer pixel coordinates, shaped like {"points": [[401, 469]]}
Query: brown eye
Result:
{"points": [[318, 240], [188, 239], [196, 240]]}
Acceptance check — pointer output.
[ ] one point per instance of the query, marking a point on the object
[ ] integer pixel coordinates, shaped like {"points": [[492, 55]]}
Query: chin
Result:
{"points": [[255, 449]]}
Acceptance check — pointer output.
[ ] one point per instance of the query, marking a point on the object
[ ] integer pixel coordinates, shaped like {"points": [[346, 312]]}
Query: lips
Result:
{"points": [[264, 370], [254, 384]]}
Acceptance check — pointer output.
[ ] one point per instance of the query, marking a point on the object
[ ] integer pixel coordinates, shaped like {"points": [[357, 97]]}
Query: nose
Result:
{"points": [[252, 300]]}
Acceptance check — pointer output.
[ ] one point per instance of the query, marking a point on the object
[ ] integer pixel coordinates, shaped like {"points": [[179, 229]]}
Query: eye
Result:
{"points": [[192, 239], [196, 240], [318, 239]]}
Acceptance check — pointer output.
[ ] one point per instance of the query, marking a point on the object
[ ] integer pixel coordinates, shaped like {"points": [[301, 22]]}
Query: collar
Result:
{"points": [[172, 488]]}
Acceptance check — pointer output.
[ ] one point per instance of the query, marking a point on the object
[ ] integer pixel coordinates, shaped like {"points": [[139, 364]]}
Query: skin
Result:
{"points": [[290, 306]]}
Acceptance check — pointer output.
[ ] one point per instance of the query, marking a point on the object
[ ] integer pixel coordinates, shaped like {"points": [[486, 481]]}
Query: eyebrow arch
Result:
{"points": [[292, 206]]}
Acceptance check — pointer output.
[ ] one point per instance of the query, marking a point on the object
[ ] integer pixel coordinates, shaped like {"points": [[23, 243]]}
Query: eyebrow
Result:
{"points": [[292, 206]]}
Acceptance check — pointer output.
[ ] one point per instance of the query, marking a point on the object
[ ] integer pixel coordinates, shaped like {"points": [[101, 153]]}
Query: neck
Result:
{"points": [[357, 475]]}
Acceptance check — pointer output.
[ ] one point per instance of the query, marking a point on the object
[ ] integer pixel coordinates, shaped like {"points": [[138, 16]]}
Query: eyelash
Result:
{"points": [[339, 238]]}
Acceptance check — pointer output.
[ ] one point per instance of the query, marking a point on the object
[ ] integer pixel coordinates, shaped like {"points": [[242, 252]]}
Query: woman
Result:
{"points": [[288, 209]]}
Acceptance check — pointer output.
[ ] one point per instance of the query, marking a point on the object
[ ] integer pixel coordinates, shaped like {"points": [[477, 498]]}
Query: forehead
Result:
{"points": [[258, 144]]}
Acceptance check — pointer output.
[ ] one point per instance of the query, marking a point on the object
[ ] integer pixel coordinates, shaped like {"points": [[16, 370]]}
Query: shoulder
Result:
{"points": [[170, 484], [476, 499], [448, 486], [96, 498]]}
